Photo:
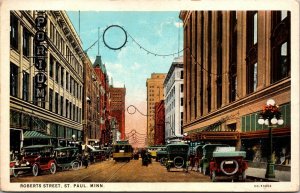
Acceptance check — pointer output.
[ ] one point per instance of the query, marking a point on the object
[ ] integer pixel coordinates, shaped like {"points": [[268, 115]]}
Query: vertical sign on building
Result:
{"points": [[40, 55]]}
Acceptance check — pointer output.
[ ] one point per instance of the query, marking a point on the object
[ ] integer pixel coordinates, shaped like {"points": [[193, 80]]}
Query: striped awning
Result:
{"points": [[35, 134]]}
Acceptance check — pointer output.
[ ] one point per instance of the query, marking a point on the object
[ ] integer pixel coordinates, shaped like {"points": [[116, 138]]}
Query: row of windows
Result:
{"points": [[64, 49], [280, 55], [71, 84], [63, 107], [27, 36], [68, 109]]}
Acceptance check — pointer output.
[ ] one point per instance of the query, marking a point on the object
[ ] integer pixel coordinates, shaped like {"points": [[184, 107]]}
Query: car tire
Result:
{"points": [[180, 165], [75, 165], [35, 170], [229, 173], [52, 168], [15, 172]]}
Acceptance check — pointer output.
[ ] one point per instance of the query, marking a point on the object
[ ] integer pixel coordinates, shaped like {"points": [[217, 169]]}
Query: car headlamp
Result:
{"points": [[27, 163], [17, 163]]}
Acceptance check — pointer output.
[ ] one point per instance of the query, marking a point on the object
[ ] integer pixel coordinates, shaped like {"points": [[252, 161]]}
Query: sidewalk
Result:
{"points": [[281, 176]]}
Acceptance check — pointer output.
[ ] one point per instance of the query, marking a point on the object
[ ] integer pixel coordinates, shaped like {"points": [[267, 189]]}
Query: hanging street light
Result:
{"points": [[270, 116]]}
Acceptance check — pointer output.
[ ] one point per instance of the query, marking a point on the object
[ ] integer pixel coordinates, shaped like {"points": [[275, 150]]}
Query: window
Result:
{"points": [[62, 77], [209, 62], [181, 101], [50, 100], [251, 60], [61, 105], [57, 72], [56, 103], [51, 66], [233, 57], [181, 74], [13, 31], [67, 80], [219, 58], [25, 86], [14, 75], [26, 41], [67, 108], [280, 42]]}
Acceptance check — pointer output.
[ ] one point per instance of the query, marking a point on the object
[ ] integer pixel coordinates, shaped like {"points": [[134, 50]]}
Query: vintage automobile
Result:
{"points": [[67, 157], [161, 155], [177, 156], [207, 151], [35, 158], [228, 162]]}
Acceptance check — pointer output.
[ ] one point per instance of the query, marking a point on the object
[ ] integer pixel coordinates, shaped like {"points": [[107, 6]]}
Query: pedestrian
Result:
{"points": [[85, 160]]}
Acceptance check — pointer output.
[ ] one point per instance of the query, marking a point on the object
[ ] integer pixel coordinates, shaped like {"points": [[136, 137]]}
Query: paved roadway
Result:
{"points": [[111, 171]]}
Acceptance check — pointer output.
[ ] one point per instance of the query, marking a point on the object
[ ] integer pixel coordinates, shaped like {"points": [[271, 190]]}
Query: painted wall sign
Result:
{"points": [[40, 63]]}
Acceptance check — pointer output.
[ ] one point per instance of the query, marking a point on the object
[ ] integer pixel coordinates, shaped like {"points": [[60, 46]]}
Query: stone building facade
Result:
{"points": [[234, 61]]}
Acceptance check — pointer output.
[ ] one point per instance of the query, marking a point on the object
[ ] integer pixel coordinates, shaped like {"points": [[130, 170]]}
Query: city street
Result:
{"points": [[111, 171]]}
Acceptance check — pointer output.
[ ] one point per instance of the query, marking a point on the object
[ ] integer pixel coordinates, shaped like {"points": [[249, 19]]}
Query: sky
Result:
{"points": [[157, 32]]}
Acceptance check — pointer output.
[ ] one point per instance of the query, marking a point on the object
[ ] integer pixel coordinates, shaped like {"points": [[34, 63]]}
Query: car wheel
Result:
{"points": [[213, 176], [15, 173], [75, 165], [52, 168], [226, 172], [35, 170]]}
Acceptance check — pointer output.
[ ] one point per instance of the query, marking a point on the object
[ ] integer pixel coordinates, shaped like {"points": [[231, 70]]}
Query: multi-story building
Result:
{"points": [[159, 131], [100, 70], [46, 77], [155, 93], [118, 107], [173, 89], [91, 104], [234, 61]]}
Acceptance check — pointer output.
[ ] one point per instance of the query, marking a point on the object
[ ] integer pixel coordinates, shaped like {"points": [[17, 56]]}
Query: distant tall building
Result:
{"points": [[173, 88], [155, 93], [159, 131], [118, 107]]}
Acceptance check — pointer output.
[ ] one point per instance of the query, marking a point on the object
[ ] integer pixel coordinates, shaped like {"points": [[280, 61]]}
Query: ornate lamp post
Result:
{"points": [[270, 116]]}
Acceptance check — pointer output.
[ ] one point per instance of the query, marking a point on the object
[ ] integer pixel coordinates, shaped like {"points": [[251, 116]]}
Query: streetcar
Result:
{"points": [[122, 151]]}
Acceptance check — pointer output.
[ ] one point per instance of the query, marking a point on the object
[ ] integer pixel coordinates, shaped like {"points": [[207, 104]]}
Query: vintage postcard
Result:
{"points": [[177, 96]]}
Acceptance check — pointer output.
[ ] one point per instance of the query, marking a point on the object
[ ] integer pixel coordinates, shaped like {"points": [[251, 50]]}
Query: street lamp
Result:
{"points": [[270, 116]]}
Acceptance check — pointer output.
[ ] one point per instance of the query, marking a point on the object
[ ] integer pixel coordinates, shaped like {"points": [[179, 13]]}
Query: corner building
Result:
{"points": [[234, 61], [59, 115], [173, 88]]}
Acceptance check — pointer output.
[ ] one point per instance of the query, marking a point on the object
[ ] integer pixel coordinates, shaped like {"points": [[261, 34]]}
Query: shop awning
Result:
{"points": [[36, 135]]}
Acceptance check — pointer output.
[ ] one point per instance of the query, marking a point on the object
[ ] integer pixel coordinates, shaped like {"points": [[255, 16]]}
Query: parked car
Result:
{"points": [[161, 155], [177, 156], [207, 151], [67, 157], [228, 163], [35, 158]]}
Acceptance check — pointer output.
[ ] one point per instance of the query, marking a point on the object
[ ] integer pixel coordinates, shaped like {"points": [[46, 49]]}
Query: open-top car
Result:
{"points": [[35, 158], [228, 162], [177, 156], [207, 155], [67, 157]]}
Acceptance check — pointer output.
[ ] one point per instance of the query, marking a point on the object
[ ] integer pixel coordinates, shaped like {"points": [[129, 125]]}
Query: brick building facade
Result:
{"points": [[159, 131]]}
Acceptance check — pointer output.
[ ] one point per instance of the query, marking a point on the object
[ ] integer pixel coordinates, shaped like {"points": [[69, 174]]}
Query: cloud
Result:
{"points": [[178, 24]]}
